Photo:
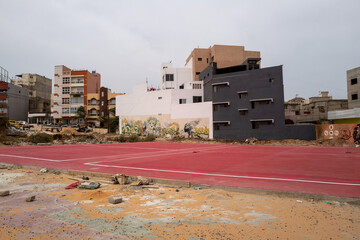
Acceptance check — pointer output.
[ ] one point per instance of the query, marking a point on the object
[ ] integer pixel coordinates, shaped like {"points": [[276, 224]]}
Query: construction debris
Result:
{"points": [[121, 179], [251, 141], [74, 185], [43, 170], [30, 199], [89, 185], [141, 181], [115, 199], [69, 131], [4, 193]]}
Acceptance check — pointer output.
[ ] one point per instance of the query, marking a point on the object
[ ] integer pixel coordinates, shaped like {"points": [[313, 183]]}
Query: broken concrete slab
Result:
{"points": [[4, 193], [30, 199], [43, 170], [115, 199]]}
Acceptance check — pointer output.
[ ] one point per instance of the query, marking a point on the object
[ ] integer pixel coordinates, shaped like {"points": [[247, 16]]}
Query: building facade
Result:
{"points": [[71, 89], [249, 102], [353, 87], [315, 110], [14, 101], [224, 55], [39, 96], [101, 104], [164, 113]]}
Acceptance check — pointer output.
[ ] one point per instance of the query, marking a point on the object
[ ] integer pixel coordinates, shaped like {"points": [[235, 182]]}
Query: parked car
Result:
{"points": [[14, 123]]}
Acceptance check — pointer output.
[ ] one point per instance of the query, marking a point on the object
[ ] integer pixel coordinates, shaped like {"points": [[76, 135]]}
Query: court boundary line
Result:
{"points": [[226, 175]]}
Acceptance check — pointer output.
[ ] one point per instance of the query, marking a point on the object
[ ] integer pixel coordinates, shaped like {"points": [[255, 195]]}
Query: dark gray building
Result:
{"points": [[14, 101], [249, 102]]}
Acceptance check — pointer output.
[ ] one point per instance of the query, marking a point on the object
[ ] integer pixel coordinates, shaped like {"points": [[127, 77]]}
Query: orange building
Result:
{"points": [[223, 55]]}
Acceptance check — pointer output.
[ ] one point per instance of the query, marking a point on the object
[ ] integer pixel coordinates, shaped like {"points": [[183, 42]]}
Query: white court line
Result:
{"points": [[173, 152], [230, 176], [34, 158]]}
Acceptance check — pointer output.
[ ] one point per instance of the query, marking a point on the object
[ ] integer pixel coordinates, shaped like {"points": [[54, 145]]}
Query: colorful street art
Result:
{"points": [[348, 132], [154, 126]]}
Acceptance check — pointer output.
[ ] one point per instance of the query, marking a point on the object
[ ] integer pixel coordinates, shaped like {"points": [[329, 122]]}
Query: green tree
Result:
{"points": [[81, 113]]}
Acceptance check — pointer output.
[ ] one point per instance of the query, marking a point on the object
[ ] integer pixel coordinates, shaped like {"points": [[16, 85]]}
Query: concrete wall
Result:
{"points": [[159, 113], [348, 132], [18, 103]]}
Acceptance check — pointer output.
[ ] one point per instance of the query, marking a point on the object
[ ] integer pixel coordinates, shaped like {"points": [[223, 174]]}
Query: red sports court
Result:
{"points": [[333, 171]]}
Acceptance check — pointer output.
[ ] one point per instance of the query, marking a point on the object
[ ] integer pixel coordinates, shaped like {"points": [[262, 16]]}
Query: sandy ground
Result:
{"points": [[158, 212]]}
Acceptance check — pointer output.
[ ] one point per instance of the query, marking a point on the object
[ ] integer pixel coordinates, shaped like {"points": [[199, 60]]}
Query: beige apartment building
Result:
{"points": [[223, 55], [101, 104], [353, 87], [71, 89]]}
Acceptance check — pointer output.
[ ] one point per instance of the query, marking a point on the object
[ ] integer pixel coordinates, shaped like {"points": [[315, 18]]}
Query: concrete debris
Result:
{"points": [[121, 179], [115, 199], [299, 201], [43, 170], [197, 188], [89, 185], [30, 199], [4, 193], [69, 131], [85, 178], [251, 141], [141, 181], [74, 185], [56, 172]]}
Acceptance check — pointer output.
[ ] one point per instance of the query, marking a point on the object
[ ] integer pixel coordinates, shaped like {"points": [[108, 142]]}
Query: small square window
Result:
{"points": [[353, 81], [159, 98], [271, 80], [182, 101], [354, 97], [197, 73], [199, 59], [255, 125]]}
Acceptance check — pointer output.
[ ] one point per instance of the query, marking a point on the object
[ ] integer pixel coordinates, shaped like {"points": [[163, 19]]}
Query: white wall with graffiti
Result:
{"points": [[158, 112]]}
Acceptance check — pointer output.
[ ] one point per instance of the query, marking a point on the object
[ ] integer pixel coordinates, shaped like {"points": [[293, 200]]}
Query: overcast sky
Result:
{"points": [[126, 41]]}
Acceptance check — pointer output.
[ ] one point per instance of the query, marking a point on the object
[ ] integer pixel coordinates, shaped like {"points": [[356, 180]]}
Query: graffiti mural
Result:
{"points": [[161, 127], [348, 132]]}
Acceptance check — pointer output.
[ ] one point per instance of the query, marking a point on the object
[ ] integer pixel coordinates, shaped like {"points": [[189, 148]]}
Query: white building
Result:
{"points": [[177, 78], [165, 113]]}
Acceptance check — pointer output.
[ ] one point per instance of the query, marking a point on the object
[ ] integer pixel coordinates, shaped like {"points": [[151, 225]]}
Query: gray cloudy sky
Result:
{"points": [[126, 41]]}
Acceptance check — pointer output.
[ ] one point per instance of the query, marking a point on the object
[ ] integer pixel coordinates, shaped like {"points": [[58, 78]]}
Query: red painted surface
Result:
{"points": [[333, 171]]}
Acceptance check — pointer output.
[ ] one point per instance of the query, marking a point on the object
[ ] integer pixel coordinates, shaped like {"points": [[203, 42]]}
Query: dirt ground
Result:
{"points": [[159, 212]]}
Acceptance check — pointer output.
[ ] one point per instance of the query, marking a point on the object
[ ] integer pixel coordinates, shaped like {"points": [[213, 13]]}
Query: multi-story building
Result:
{"points": [[14, 101], [353, 87], [101, 104], [71, 89], [224, 55], [39, 96], [249, 102], [315, 110]]}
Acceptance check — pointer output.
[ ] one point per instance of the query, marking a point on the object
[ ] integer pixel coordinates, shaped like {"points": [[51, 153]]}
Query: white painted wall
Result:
{"points": [[142, 102], [181, 76]]}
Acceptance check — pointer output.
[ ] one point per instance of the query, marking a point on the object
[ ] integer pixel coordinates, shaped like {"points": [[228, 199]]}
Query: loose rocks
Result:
{"points": [[115, 199], [30, 199], [4, 193]]}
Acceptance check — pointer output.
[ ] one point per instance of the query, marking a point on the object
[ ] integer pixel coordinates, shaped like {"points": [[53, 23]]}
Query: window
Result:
{"points": [[66, 80], [271, 80], [93, 112], [77, 100], [207, 60], [243, 111], [354, 97], [102, 94], [218, 86], [255, 125], [66, 101], [182, 101], [65, 111], [66, 90], [112, 101], [73, 110], [256, 102], [197, 73], [159, 98], [242, 94], [218, 105], [353, 81], [93, 101], [218, 124], [197, 99], [169, 77], [102, 103], [199, 59], [196, 86]]}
